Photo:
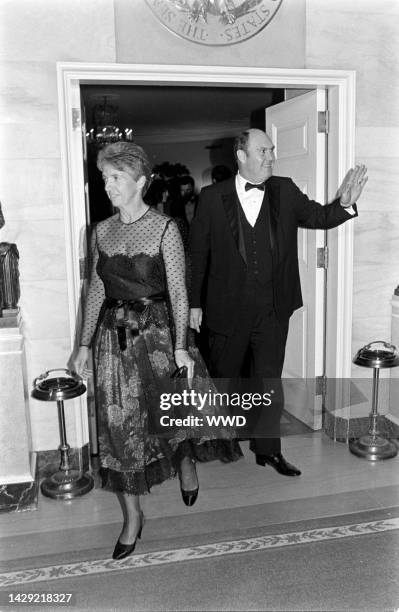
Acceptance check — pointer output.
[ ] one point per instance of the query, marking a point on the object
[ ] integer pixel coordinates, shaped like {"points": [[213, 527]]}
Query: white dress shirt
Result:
{"points": [[251, 200]]}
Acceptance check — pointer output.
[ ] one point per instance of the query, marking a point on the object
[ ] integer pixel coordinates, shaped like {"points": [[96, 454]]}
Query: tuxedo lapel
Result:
{"points": [[273, 190], [231, 204]]}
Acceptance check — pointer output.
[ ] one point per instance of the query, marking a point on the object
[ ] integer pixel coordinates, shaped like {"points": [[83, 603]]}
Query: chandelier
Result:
{"points": [[105, 120]]}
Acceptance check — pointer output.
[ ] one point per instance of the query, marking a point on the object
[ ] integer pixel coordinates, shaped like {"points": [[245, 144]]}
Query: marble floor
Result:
{"points": [[241, 495]]}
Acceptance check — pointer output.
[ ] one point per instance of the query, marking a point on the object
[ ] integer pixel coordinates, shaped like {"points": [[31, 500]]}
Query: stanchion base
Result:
{"points": [[373, 448], [67, 485]]}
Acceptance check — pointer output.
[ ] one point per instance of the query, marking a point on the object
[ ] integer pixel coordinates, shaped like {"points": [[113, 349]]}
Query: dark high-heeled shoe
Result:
{"points": [[189, 497], [124, 550]]}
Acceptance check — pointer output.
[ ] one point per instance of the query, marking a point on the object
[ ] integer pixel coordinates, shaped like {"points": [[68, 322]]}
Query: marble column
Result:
{"points": [[18, 489], [394, 382]]}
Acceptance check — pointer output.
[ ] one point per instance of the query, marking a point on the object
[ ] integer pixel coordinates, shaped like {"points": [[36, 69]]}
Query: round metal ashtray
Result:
{"points": [[57, 388], [377, 354]]}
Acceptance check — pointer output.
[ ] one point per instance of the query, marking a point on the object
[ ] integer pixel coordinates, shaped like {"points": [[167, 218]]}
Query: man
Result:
{"points": [[186, 203], [246, 228], [182, 204]]}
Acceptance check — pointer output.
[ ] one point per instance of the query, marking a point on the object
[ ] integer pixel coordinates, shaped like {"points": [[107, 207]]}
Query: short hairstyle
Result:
{"points": [[126, 155], [155, 192], [241, 142], [186, 179], [220, 173]]}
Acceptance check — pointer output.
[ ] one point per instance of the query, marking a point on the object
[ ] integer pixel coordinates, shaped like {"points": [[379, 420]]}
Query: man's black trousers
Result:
{"points": [[261, 338]]}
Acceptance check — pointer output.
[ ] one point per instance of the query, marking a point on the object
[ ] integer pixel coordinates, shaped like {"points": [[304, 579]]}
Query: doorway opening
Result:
{"points": [[192, 135], [189, 125], [340, 88]]}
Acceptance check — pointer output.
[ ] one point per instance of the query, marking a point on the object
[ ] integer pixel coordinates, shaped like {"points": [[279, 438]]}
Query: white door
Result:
{"points": [[301, 154]]}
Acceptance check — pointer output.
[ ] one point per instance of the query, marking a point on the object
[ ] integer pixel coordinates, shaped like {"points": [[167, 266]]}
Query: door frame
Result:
{"points": [[340, 85]]}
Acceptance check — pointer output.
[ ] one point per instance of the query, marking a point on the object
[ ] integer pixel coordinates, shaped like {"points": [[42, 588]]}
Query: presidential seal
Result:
{"points": [[215, 22]]}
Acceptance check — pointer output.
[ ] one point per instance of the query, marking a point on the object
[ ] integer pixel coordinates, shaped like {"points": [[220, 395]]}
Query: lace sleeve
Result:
{"points": [[173, 255], [94, 297]]}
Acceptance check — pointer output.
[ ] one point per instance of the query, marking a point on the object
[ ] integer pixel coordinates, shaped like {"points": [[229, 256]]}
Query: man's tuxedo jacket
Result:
{"points": [[216, 241]]}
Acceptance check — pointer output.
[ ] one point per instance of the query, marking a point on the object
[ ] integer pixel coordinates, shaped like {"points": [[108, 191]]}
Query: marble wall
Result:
{"points": [[35, 35], [363, 35], [360, 35]]}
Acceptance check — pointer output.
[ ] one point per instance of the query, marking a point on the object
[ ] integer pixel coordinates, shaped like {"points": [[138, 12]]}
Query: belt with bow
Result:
{"points": [[125, 322]]}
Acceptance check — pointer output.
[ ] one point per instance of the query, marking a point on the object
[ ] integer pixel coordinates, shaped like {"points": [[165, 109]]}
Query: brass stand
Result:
{"points": [[66, 483], [373, 446]]}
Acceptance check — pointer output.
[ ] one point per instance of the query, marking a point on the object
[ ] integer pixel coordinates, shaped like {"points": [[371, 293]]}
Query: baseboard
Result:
{"points": [[21, 496], [340, 429]]}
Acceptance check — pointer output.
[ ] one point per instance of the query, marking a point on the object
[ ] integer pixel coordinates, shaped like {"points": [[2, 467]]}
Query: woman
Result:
{"points": [[137, 269]]}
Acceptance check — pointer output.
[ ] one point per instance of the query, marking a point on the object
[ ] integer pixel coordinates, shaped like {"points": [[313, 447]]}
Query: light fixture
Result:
{"points": [[105, 120]]}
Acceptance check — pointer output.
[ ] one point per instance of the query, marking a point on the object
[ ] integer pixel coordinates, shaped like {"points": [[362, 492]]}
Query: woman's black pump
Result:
{"points": [[124, 550]]}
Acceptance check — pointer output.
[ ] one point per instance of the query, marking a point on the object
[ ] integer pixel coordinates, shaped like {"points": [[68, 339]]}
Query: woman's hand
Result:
{"points": [[78, 363], [182, 358]]}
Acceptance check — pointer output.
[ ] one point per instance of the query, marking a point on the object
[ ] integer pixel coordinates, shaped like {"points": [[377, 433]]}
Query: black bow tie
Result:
{"points": [[249, 186]]}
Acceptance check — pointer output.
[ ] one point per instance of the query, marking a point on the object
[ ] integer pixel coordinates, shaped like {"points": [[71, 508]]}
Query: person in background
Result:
{"points": [[186, 203], [220, 173], [157, 195]]}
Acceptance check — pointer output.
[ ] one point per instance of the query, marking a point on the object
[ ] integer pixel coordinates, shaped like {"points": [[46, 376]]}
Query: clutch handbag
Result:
{"points": [[180, 373]]}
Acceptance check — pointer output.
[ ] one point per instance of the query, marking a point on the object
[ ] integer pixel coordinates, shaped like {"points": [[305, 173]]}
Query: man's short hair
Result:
{"points": [[241, 142], [186, 179]]}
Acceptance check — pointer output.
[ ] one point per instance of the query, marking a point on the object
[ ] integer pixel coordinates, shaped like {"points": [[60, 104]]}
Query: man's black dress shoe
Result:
{"points": [[278, 462]]}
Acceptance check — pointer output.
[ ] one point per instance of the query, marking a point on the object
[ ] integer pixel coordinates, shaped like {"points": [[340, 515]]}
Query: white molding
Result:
{"points": [[345, 232], [73, 74], [74, 219], [91, 73], [342, 144]]}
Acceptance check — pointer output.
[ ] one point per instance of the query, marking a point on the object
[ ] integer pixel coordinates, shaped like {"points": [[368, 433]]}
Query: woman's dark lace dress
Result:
{"points": [[133, 352]]}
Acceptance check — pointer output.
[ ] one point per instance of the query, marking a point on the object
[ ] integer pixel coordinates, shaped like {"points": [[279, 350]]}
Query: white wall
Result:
{"points": [[363, 35], [35, 35]]}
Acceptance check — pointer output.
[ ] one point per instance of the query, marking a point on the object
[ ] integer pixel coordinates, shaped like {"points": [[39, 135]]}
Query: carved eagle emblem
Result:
{"points": [[227, 10]]}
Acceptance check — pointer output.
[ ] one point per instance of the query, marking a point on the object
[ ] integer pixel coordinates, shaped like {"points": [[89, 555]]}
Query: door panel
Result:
{"points": [[300, 154]]}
